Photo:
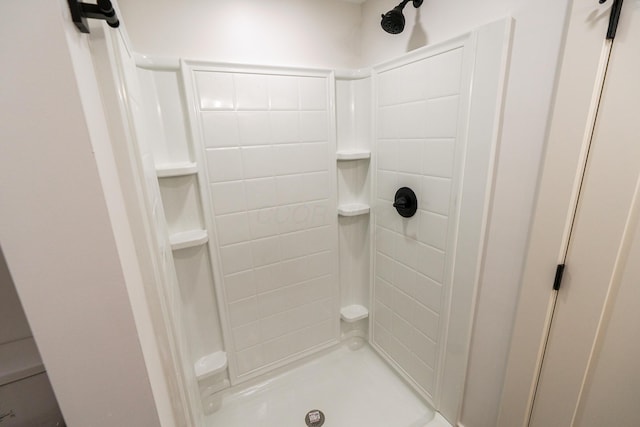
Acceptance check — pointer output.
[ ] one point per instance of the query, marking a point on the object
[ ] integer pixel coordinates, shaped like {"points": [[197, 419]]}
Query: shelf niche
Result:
{"points": [[353, 209], [188, 239], [350, 155], [176, 169]]}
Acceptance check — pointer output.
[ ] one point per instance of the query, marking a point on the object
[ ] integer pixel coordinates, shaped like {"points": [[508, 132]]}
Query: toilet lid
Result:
{"points": [[19, 359]]}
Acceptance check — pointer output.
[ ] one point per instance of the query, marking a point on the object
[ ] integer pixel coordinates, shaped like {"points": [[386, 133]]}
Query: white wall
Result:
{"points": [[277, 260], [433, 22], [311, 33], [334, 34], [56, 231], [538, 33]]}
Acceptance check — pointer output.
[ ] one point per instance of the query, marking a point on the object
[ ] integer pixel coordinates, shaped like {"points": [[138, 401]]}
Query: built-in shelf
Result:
{"points": [[353, 209], [176, 169], [353, 155], [188, 239], [353, 313], [210, 365]]}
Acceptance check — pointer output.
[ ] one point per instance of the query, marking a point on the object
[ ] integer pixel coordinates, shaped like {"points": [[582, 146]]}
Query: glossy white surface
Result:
{"points": [[352, 388], [353, 126], [164, 119], [353, 313], [181, 203], [437, 137], [353, 182], [267, 146], [353, 155], [210, 365], [353, 209], [417, 136], [203, 31], [188, 239], [177, 169]]}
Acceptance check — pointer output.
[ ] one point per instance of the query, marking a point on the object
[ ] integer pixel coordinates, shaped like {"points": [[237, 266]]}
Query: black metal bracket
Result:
{"points": [[103, 10], [416, 3], [557, 281], [614, 18]]}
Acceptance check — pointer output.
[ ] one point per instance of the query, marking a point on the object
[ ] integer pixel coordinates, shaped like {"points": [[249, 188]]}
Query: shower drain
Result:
{"points": [[314, 418]]}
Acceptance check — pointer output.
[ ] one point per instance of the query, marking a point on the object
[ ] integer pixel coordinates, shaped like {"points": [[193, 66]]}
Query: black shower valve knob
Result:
{"points": [[401, 202], [405, 202]]}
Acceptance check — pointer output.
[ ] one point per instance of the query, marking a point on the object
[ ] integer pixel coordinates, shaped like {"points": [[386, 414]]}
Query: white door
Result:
{"points": [[591, 370]]}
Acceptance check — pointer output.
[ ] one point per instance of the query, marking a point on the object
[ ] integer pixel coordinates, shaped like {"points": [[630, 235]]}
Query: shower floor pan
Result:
{"points": [[351, 388]]}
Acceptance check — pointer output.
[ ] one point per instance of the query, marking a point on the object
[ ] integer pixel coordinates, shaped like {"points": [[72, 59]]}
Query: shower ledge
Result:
{"points": [[170, 170], [353, 313], [353, 209], [188, 239], [210, 365], [353, 155]]}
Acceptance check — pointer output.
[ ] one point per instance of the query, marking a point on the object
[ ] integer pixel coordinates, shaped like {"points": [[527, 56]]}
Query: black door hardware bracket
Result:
{"points": [[614, 18], [103, 10]]}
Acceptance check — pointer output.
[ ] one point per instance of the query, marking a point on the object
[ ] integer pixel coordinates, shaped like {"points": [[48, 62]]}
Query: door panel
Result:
{"points": [[610, 394], [591, 342]]}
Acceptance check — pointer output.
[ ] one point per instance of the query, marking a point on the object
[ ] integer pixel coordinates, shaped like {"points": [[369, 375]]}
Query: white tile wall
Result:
{"points": [[416, 147], [269, 153]]}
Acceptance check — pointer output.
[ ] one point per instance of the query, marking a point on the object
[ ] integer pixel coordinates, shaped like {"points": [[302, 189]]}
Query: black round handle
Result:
{"points": [[401, 202], [405, 202]]}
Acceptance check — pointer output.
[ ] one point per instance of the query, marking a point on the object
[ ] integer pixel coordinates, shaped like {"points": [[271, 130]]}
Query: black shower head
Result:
{"points": [[393, 21]]}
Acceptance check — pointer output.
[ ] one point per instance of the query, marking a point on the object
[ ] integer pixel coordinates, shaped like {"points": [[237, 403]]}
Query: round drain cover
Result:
{"points": [[314, 418]]}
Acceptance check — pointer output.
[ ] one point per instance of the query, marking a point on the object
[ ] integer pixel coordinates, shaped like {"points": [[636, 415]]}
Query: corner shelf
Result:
{"points": [[188, 239], [210, 365], [348, 155], [353, 313], [176, 169], [353, 209]]}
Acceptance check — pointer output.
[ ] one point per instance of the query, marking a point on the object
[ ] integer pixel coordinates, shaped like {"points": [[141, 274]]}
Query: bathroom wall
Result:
{"points": [[343, 35], [164, 141], [269, 152], [418, 146], [317, 33], [58, 236], [538, 32], [13, 322]]}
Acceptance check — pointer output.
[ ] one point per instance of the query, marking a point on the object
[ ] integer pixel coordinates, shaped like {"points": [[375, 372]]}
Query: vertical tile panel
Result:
{"points": [[267, 140], [224, 164], [251, 92], [313, 93], [220, 129], [417, 126], [284, 127], [233, 228], [228, 197], [254, 127], [215, 91], [283, 93], [258, 162]]}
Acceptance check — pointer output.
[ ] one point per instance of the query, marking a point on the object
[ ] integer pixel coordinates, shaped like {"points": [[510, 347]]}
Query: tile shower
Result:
{"points": [[271, 190]]}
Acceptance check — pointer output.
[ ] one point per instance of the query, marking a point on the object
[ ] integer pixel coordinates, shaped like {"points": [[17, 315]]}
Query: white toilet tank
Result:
{"points": [[26, 396]]}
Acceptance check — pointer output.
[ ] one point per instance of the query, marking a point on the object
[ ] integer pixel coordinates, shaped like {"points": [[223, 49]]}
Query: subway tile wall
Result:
{"points": [[268, 158], [417, 145]]}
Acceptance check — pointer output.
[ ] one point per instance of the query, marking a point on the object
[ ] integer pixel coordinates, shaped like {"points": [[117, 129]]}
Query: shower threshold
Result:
{"points": [[349, 387]]}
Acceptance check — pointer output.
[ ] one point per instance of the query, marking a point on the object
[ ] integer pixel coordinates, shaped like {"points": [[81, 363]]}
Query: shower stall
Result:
{"points": [[280, 263]]}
